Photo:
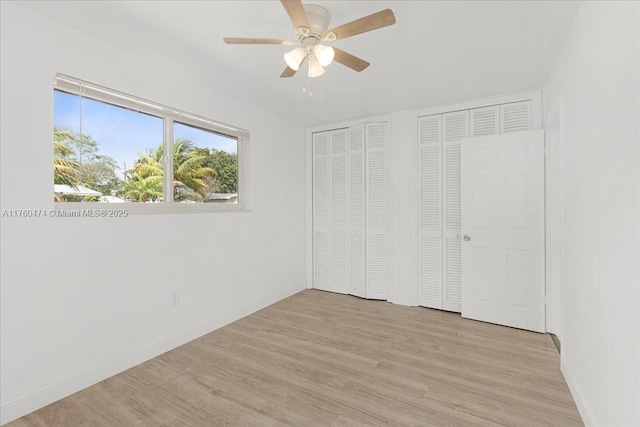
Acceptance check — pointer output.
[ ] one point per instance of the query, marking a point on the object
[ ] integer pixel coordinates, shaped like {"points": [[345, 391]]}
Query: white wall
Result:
{"points": [[404, 202], [591, 107], [82, 299]]}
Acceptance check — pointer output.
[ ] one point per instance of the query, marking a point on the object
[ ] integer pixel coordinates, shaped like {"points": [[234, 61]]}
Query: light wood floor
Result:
{"points": [[322, 359]]}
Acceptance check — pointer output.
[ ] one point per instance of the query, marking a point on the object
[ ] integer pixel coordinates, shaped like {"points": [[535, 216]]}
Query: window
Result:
{"points": [[215, 180], [110, 147]]}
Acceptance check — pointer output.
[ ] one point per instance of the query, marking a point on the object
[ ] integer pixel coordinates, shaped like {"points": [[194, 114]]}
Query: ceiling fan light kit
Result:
{"points": [[325, 54], [311, 24], [295, 58], [315, 69], [319, 56]]}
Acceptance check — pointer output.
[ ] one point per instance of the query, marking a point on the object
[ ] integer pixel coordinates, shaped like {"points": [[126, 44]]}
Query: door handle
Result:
{"points": [[466, 237]]}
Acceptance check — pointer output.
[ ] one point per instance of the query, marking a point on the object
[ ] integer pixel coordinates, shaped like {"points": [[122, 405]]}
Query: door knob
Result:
{"points": [[466, 237]]}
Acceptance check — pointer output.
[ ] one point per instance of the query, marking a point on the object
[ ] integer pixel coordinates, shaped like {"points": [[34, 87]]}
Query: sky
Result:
{"points": [[122, 133]]}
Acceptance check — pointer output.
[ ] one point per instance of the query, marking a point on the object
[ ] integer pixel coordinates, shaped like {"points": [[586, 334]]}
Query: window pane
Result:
{"points": [[66, 167], [113, 154], [205, 166]]}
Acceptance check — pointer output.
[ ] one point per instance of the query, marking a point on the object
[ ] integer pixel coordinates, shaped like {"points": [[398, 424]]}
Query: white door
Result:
{"points": [[338, 220], [503, 229], [356, 212], [376, 211], [430, 210], [321, 211], [455, 126]]}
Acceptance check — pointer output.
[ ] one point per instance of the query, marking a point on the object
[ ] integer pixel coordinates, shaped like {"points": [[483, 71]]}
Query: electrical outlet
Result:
{"points": [[175, 299]]}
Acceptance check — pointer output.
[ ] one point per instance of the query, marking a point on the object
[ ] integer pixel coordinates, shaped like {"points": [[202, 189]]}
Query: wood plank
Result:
{"points": [[319, 358]]}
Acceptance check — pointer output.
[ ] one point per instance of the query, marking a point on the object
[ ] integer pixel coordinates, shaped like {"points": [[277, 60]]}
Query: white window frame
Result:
{"points": [[169, 115]]}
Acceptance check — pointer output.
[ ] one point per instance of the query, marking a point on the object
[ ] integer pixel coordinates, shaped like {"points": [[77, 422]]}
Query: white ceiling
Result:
{"points": [[438, 52]]}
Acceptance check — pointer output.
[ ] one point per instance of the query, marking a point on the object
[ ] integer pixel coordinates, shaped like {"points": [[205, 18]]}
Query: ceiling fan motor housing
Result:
{"points": [[319, 18]]}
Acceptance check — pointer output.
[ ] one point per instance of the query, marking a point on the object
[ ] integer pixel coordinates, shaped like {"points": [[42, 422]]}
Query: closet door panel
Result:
{"points": [[376, 211], [455, 126], [515, 117], [338, 177], [485, 121], [440, 203], [430, 210], [356, 211], [321, 204]]}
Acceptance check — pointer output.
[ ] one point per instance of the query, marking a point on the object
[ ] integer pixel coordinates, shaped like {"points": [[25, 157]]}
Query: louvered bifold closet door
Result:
{"points": [[430, 208], [515, 117], [485, 121], [454, 127], [376, 211], [321, 207], [338, 281], [356, 211]]}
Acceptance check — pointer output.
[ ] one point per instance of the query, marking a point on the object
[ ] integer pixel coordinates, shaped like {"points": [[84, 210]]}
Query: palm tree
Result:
{"points": [[189, 170], [190, 177], [141, 189], [65, 169]]}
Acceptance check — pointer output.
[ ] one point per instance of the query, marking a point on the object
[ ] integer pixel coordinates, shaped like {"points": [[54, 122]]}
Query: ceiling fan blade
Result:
{"points": [[240, 40], [288, 72], [381, 19], [349, 60], [296, 12]]}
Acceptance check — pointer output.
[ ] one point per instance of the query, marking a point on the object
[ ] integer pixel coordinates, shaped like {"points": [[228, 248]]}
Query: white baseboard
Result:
{"points": [[26, 403], [578, 397]]}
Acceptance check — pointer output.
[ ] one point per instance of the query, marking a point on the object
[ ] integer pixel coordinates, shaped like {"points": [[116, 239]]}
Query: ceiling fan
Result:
{"points": [[311, 23]]}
